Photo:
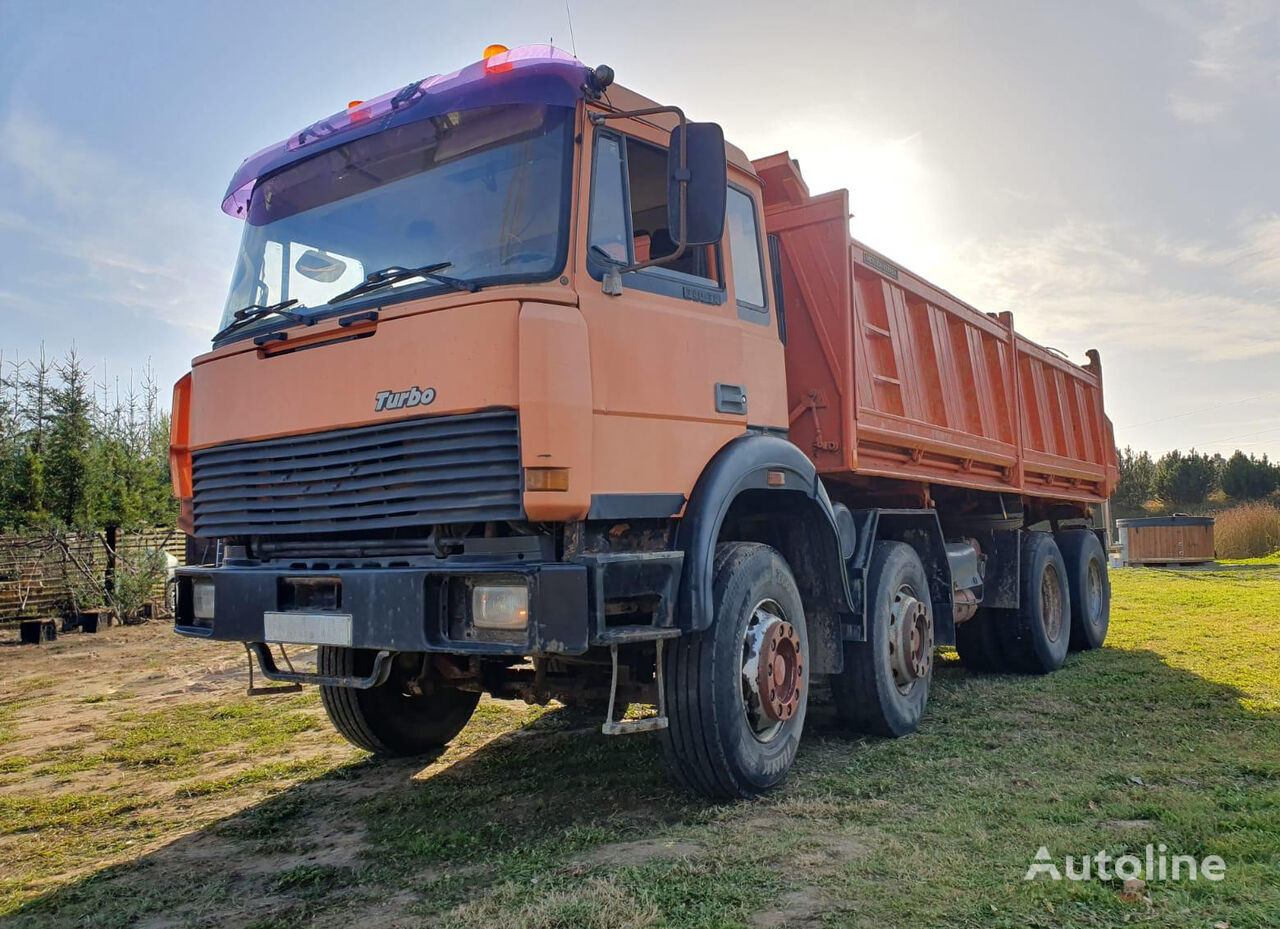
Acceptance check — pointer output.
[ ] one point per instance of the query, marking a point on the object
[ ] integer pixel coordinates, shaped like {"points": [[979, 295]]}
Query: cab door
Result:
{"points": [[668, 365]]}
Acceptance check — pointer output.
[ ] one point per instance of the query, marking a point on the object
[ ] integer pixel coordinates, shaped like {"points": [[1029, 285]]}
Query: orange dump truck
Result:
{"points": [[527, 385]]}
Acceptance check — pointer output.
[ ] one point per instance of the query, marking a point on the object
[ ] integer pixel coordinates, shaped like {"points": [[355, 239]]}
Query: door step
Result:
{"points": [[631, 726]]}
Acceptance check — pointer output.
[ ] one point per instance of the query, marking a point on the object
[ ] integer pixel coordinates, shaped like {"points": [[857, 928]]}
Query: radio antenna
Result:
{"points": [[569, 15]]}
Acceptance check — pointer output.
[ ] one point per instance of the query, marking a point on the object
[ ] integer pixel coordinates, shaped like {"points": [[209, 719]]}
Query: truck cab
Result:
{"points": [[499, 403]]}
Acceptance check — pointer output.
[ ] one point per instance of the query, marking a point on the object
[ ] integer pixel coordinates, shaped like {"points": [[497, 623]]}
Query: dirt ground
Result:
{"points": [[67, 701]]}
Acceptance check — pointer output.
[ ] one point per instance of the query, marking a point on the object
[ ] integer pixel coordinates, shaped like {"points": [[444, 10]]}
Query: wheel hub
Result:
{"points": [[772, 670], [1052, 607], [778, 671], [1095, 593], [910, 639]]}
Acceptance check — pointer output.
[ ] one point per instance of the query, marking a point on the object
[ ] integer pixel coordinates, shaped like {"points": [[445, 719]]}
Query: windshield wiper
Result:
{"points": [[395, 274], [255, 311]]}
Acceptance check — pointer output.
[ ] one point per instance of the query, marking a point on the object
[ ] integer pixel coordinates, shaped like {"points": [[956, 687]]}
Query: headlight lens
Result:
{"points": [[202, 599], [504, 607]]}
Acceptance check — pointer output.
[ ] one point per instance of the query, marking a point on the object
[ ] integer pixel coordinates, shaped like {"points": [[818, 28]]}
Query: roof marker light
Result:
{"points": [[355, 114], [496, 59]]}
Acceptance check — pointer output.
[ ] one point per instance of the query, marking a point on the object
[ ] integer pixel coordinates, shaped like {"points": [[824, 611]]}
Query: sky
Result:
{"points": [[1107, 170]]}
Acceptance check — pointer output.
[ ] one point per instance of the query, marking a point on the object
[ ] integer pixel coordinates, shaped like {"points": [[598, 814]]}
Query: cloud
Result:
{"points": [[1237, 56], [111, 233], [1189, 110], [1238, 46], [1079, 285], [1253, 260]]}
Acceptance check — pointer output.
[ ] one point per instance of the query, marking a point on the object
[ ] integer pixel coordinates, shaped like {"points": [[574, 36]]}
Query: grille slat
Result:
{"points": [[407, 473], [282, 460], [322, 497], [339, 440], [215, 484]]}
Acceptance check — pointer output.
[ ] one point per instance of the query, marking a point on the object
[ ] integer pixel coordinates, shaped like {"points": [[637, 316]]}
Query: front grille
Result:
{"points": [[418, 472]]}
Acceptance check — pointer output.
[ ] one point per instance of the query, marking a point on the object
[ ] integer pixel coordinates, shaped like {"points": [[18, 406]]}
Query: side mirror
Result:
{"points": [[705, 182]]}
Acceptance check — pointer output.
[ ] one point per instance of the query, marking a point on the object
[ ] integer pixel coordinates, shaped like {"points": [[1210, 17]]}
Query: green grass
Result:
{"points": [[1265, 561], [1169, 735], [173, 739]]}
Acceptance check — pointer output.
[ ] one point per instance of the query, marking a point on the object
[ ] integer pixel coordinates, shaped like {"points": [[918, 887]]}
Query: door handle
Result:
{"points": [[731, 398]]}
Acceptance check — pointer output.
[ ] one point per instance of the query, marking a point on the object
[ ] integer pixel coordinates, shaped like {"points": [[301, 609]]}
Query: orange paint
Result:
{"points": [[890, 376]]}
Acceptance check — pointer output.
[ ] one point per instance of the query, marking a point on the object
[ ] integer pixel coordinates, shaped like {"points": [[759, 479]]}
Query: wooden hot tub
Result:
{"points": [[1155, 540]]}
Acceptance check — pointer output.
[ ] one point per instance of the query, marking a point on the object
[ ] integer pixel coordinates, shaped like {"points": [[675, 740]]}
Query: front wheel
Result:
{"points": [[736, 693], [885, 683], [387, 720]]}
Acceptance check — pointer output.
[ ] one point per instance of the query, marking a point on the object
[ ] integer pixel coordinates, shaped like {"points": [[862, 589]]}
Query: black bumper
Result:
{"points": [[425, 609]]}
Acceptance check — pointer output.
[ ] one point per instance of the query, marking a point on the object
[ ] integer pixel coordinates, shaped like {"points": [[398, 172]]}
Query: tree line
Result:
{"points": [[1179, 478], [79, 451]]}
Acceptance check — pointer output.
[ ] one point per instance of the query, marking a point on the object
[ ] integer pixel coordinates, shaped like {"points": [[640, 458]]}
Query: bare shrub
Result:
{"points": [[1248, 531]]}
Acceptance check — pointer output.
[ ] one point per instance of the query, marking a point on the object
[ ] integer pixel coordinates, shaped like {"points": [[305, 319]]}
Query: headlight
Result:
{"points": [[202, 599], [504, 607]]}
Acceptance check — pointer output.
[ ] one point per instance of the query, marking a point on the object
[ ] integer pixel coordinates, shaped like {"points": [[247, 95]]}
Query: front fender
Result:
{"points": [[751, 462]]}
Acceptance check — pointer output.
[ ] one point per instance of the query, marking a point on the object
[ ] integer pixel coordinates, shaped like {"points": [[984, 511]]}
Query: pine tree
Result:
{"points": [[70, 444]]}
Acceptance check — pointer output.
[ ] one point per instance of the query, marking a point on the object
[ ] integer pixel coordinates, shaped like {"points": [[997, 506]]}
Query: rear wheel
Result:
{"points": [[1036, 635], [736, 693], [387, 720], [1090, 587], [885, 683]]}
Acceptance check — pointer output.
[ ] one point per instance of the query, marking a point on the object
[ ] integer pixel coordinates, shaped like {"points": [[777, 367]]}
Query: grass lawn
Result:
{"points": [[217, 810]]}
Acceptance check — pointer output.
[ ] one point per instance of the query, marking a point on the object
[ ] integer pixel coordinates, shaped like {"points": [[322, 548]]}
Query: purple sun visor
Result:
{"points": [[529, 74]]}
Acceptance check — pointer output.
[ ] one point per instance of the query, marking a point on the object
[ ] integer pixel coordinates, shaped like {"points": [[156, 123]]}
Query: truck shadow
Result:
{"points": [[370, 838]]}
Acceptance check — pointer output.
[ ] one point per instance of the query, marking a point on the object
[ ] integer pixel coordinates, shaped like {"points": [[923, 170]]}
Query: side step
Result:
{"points": [[648, 724]]}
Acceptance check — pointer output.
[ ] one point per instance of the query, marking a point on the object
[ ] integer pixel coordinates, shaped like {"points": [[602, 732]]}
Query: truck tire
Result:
{"points": [[1090, 588], [885, 683], [978, 643], [1035, 636], [385, 720], [736, 693]]}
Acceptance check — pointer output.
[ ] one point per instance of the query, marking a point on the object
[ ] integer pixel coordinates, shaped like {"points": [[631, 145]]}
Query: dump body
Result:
{"points": [[889, 376]]}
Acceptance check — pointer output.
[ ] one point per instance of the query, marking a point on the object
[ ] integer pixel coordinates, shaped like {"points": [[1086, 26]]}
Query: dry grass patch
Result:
{"points": [[1251, 530]]}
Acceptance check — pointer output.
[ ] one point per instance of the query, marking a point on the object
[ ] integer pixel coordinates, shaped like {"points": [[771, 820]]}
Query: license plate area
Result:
{"points": [[307, 628], [309, 593]]}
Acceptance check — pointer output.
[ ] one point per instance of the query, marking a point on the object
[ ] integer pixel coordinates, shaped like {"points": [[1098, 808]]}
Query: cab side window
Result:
{"points": [[628, 223], [744, 246]]}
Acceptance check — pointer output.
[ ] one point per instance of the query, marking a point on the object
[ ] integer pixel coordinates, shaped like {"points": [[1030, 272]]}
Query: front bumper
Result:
{"points": [[426, 608]]}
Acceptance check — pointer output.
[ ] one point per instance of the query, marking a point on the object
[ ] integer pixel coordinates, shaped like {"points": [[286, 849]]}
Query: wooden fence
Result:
{"points": [[39, 575]]}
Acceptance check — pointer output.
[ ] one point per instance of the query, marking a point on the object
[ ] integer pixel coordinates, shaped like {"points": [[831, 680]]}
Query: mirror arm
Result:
{"points": [[682, 180]]}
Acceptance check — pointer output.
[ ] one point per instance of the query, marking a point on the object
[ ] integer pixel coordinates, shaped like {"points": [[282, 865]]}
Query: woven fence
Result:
{"points": [[46, 574]]}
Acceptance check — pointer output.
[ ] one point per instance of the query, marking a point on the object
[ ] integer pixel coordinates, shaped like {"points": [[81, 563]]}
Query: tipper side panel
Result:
{"points": [[889, 376], [936, 383], [819, 356], [1068, 445]]}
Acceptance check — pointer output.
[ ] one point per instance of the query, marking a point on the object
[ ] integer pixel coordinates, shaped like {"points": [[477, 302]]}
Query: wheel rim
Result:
{"points": [[910, 639], [772, 671], [1093, 593], [1051, 605]]}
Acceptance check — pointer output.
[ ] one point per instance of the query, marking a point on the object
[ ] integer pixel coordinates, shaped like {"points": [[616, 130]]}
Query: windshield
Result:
{"points": [[485, 190]]}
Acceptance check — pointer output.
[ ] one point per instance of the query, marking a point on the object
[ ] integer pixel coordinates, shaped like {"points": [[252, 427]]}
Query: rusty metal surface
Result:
{"points": [[910, 639], [779, 672]]}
